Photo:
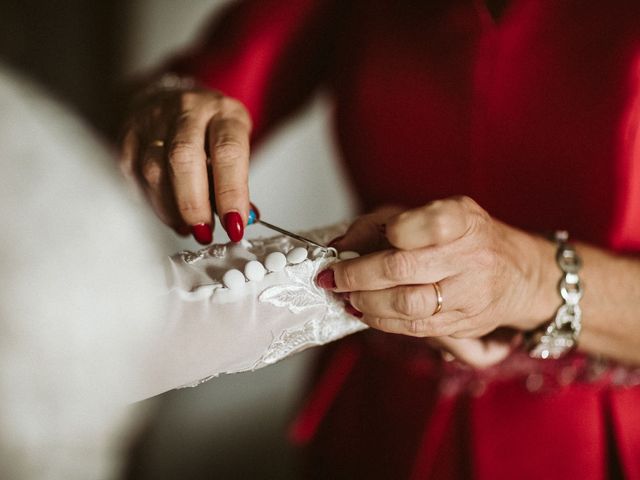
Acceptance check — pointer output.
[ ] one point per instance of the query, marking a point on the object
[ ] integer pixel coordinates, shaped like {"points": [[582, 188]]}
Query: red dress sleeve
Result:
{"points": [[269, 54]]}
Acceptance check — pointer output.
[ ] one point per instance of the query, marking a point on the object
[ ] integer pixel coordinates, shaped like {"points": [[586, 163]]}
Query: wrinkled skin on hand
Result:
{"points": [[488, 273], [181, 146]]}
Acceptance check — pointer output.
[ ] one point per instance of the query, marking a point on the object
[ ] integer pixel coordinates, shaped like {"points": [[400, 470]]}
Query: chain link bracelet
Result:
{"points": [[561, 335]]}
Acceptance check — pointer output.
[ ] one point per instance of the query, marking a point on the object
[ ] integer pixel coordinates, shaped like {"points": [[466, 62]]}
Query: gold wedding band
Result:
{"points": [[438, 308], [157, 143]]}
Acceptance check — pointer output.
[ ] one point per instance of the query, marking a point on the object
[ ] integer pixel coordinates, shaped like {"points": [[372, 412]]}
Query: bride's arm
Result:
{"points": [[239, 307]]}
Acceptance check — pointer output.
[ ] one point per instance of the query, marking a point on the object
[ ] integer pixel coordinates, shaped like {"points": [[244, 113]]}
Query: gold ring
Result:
{"points": [[438, 308], [157, 143]]}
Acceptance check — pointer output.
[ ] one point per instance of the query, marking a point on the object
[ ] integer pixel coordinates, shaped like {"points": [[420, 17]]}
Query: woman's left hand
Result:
{"points": [[490, 275]]}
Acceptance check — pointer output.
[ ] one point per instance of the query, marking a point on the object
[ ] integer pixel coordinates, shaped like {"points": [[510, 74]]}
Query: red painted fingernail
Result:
{"points": [[335, 240], [326, 280], [351, 310], [234, 226], [183, 230], [202, 233]]}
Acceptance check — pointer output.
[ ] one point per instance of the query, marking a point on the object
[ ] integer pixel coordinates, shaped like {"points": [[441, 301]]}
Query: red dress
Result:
{"points": [[536, 115]]}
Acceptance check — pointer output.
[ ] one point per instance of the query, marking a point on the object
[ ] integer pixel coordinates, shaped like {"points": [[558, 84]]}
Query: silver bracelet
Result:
{"points": [[561, 335]]}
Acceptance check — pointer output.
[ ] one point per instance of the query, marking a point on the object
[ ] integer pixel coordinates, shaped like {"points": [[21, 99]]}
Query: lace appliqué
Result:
{"points": [[215, 251], [297, 296]]}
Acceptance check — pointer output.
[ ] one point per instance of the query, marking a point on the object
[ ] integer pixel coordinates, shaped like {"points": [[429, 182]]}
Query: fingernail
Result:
{"points": [[202, 233], [183, 230], [351, 310], [333, 242], [254, 214], [234, 226], [346, 296], [326, 280]]}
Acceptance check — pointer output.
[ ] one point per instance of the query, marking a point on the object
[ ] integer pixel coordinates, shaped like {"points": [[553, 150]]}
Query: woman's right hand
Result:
{"points": [[367, 235], [168, 141]]}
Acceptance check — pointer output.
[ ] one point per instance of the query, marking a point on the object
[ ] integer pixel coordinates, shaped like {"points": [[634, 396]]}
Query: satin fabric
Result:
{"points": [[536, 115]]}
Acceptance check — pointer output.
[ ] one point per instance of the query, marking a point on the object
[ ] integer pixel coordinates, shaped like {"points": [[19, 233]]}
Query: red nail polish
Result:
{"points": [[202, 233], [326, 280], [234, 226], [335, 240], [351, 310]]}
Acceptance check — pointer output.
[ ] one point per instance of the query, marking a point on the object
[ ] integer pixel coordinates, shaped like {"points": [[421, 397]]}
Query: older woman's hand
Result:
{"points": [[490, 275], [165, 150]]}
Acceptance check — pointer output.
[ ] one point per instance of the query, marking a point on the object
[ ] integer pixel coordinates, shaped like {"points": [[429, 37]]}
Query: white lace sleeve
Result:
{"points": [[214, 329]]}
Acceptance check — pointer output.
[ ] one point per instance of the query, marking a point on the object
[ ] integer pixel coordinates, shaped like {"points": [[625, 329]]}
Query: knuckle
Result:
{"points": [[399, 265], [184, 157], [190, 99], [466, 202], [199, 103], [231, 191], [230, 104], [191, 207], [486, 258], [230, 107], [419, 327], [410, 303], [393, 230], [228, 151], [442, 228]]}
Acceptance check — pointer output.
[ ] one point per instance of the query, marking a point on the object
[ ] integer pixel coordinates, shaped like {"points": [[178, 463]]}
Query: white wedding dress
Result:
{"points": [[88, 320], [213, 329]]}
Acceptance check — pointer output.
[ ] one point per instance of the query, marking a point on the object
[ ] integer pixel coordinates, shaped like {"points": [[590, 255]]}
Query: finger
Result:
{"points": [[479, 353], [367, 233], [188, 170], [229, 134], [128, 153], [438, 325], [405, 302], [390, 268], [436, 223], [157, 187]]}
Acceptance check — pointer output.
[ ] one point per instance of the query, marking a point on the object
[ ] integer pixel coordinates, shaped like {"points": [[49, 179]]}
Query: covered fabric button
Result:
{"points": [[275, 261], [297, 255], [254, 271], [233, 279]]}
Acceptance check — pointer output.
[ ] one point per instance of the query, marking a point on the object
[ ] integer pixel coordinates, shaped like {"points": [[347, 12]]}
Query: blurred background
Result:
{"points": [[233, 426]]}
